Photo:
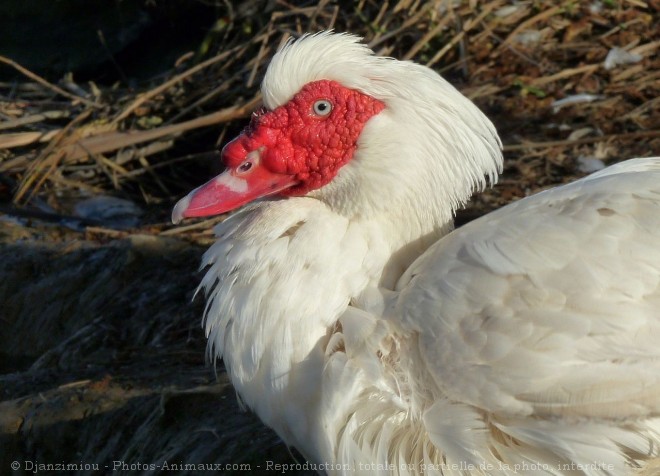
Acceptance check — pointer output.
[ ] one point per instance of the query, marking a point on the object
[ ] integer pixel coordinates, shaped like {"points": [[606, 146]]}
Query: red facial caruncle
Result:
{"points": [[298, 147]]}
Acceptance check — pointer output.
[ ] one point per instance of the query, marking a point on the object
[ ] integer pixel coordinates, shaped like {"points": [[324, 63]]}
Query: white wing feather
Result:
{"points": [[550, 306]]}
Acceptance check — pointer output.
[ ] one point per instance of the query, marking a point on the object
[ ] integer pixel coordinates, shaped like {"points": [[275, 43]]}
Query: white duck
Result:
{"points": [[374, 340]]}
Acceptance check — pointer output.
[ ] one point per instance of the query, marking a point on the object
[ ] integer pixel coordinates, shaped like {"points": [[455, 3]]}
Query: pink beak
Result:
{"points": [[231, 189]]}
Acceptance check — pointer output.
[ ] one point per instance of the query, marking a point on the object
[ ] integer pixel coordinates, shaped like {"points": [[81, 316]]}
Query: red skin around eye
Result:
{"points": [[288, 151], [299, 142]]}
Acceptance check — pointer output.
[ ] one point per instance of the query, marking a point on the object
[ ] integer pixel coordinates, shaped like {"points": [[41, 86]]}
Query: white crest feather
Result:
{"points": [[429, 140]]}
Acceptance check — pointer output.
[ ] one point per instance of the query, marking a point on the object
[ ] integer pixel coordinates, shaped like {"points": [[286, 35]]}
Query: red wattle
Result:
{"points": [[299, 142]]}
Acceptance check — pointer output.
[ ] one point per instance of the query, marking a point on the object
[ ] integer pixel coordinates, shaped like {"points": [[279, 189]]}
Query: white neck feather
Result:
{"points": [[282, 272]]}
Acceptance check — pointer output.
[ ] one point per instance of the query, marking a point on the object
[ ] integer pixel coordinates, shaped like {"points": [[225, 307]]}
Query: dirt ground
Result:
{"points": [[103, 362], [102, 357]]}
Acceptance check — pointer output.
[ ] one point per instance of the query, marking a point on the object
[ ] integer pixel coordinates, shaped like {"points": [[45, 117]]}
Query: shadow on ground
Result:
{"points": [[102, 365]]}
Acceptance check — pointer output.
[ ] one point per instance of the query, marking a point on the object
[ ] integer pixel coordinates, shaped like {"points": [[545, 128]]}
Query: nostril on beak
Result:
{"points": [[234, 152]]}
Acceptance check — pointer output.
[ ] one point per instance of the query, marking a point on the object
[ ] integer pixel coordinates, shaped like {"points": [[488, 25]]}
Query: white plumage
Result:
{"points": [[376, 341]]}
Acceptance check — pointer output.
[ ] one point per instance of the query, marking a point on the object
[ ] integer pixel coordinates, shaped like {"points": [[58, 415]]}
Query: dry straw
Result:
{"points": [[513, 59]]}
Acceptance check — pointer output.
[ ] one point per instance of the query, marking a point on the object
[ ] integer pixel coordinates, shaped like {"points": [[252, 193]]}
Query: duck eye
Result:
{"points": [[322, 107], [245, 166]]}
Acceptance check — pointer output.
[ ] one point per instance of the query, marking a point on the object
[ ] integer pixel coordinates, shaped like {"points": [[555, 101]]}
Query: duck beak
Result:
{"points": [[231, 189]]}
